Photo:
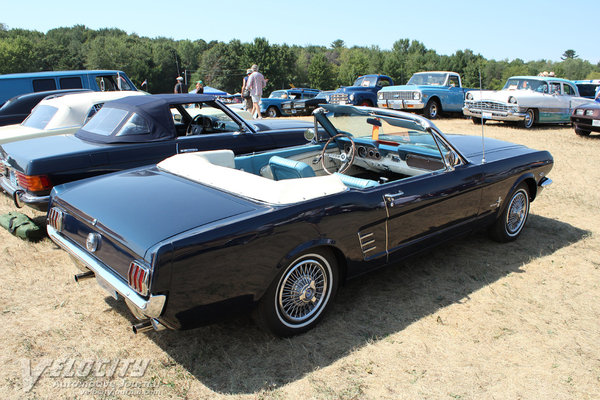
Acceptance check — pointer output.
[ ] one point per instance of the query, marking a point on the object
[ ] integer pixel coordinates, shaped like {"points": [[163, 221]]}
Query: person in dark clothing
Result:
{"points": [[180, 87], [199, 87]]}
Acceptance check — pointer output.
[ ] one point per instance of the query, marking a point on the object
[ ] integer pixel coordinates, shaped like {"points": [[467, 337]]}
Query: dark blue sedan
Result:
{"points": [[204, 235], [132, 132]]}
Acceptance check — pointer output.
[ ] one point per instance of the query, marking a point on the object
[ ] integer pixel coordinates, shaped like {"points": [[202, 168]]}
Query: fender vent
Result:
{"points": [[367, 242]]}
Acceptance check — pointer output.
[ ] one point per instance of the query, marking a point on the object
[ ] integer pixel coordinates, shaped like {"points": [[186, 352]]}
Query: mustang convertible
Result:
{"points": [[132, 132], [204, 235]]}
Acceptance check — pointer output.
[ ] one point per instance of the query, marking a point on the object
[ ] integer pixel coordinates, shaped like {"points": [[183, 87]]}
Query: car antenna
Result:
{"points": [[482, 121]]}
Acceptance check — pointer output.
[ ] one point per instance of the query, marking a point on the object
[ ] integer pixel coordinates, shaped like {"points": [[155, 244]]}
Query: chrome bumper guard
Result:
{"points": [[23, 197], [151, 307], [544, 183]]}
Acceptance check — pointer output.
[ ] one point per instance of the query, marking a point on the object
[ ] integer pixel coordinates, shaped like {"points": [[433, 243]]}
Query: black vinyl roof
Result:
{"points": [[155, 109]]}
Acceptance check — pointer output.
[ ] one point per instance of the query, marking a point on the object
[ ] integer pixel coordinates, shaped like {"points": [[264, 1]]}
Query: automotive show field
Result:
{"points": [[474, 319]]}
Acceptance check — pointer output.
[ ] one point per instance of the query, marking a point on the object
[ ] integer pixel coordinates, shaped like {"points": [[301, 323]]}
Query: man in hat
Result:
{"points": [[180, 87], [256, 83]]}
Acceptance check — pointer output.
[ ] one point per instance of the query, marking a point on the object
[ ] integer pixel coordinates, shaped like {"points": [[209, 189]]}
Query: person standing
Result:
{"points": [[199, 87], [180, 86], [256, 83], [246, 92]]}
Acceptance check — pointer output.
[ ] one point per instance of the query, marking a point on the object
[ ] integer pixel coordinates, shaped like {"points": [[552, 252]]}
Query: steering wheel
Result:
{"points": [[345, 159], [199, 121]]}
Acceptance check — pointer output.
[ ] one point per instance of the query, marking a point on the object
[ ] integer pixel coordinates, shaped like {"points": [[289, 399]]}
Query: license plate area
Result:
{"points": [[596, 122]]}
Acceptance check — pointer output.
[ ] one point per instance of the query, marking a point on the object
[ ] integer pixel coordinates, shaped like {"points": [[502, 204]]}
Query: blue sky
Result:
{"points": [[507, 29]]}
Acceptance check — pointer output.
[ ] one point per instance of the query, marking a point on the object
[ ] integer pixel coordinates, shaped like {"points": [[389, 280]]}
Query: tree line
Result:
{"points": [[159, 61]]}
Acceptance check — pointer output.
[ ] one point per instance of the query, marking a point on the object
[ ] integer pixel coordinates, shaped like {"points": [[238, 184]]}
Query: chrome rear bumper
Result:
{"points": [[151, 307]]}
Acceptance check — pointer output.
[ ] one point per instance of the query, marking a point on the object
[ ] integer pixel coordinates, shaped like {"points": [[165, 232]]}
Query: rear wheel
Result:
{"points": [[432, 109], [300, 295], [529, 119], [510, 224], [272, 112]]}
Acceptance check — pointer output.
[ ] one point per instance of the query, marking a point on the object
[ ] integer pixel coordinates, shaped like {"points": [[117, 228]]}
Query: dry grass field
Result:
{"points": [[473, 319]]}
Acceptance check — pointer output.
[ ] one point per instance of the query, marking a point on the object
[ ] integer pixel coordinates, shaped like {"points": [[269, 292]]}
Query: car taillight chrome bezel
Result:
{"points": [[56, 218], [138, 277]]}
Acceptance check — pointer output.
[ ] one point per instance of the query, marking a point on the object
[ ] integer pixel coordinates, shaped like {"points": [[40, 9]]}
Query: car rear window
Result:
{"points": [[40, 117], [106, 121]]}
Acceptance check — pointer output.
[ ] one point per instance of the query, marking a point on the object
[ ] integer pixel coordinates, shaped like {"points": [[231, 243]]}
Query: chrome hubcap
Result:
{"points": [[303, 291], [517, 213]]}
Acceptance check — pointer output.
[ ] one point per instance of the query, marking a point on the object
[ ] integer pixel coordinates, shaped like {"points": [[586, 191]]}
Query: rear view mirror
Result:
{"points": [[374, 121], [309, 134]]}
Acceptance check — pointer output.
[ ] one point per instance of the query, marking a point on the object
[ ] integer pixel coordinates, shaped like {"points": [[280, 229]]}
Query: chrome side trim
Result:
{"points": [[151, 307]]}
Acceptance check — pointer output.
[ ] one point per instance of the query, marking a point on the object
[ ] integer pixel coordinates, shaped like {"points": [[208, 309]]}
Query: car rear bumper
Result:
{"points": [[21, 197], [151, 306]]}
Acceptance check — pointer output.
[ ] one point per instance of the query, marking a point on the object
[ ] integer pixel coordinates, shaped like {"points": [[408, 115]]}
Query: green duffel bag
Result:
{"points": [[21, 226]]}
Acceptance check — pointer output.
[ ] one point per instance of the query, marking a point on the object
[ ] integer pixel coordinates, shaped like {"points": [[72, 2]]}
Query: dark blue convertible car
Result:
{"points": [[203, 235], [132, 132]]}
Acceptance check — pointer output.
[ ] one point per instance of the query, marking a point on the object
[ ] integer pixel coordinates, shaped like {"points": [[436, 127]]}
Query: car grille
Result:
{"points": [[404, 95], [489, 106], [337, 98]]}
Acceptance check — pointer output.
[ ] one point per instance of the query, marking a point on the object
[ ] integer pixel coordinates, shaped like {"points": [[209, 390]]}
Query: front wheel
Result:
{"points": [[432, 109], [477, 121], [300, 295], [529, 119], [510, 224], [272, 112], [365, 103]]}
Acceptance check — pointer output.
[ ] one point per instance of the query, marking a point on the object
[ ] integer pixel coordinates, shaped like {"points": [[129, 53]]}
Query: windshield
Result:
{"points": [[279, 94], [366, 81], [360, 124], [40, 117], [429, 78], [526, 84]]}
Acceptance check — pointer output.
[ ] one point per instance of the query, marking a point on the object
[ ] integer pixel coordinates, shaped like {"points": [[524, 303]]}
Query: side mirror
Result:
{"points": [[451, 159], [374, 122], [309, 134]]}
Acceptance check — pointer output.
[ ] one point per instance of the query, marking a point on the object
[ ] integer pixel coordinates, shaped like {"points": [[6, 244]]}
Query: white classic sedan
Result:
{"points": [[57, 115], [528, 100]]}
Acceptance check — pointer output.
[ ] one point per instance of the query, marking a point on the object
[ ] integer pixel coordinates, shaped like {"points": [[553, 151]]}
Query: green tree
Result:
{"points": [[320, 73], [569, 55]]}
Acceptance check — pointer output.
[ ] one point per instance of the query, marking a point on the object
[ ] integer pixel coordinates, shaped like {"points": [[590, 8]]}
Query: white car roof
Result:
{"points": [[74, 108]]}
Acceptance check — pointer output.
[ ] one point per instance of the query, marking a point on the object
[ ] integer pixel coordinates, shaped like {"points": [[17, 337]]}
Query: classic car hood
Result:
{"points": [[275, 124], [471, 147], [145, 205], [11, 133], [350, 89], [501, 95], [412, 87]]}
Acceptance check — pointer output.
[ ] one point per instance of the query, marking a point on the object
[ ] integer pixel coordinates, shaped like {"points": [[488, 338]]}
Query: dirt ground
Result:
{"points": [[473, 319]]}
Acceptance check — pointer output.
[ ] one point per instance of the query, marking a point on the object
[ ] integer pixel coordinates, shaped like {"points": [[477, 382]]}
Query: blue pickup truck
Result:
{"points": [[362, 93], [430, 92]]}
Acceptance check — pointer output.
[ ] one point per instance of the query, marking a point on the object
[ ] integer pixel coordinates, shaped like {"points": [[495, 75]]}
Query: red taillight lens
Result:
{"points": [[33, 183], [138, 277], [56, 218]]}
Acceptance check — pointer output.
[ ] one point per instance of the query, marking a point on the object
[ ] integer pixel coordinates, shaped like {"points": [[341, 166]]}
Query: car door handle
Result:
{"points": [[187, 150], [392, 198]]}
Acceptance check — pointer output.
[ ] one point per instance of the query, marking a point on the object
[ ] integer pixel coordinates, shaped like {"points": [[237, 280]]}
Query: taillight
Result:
{"points": [[33, 183], [56, 218], [138, 277]]}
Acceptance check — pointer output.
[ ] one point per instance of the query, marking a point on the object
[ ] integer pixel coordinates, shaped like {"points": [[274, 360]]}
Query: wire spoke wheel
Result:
{"points": [[517, 213], [303, 290]]}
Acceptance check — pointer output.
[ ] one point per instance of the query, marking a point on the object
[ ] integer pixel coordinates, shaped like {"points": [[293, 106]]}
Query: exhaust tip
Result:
{"points": [[83, 276], [143, 326], [147, 325]]}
